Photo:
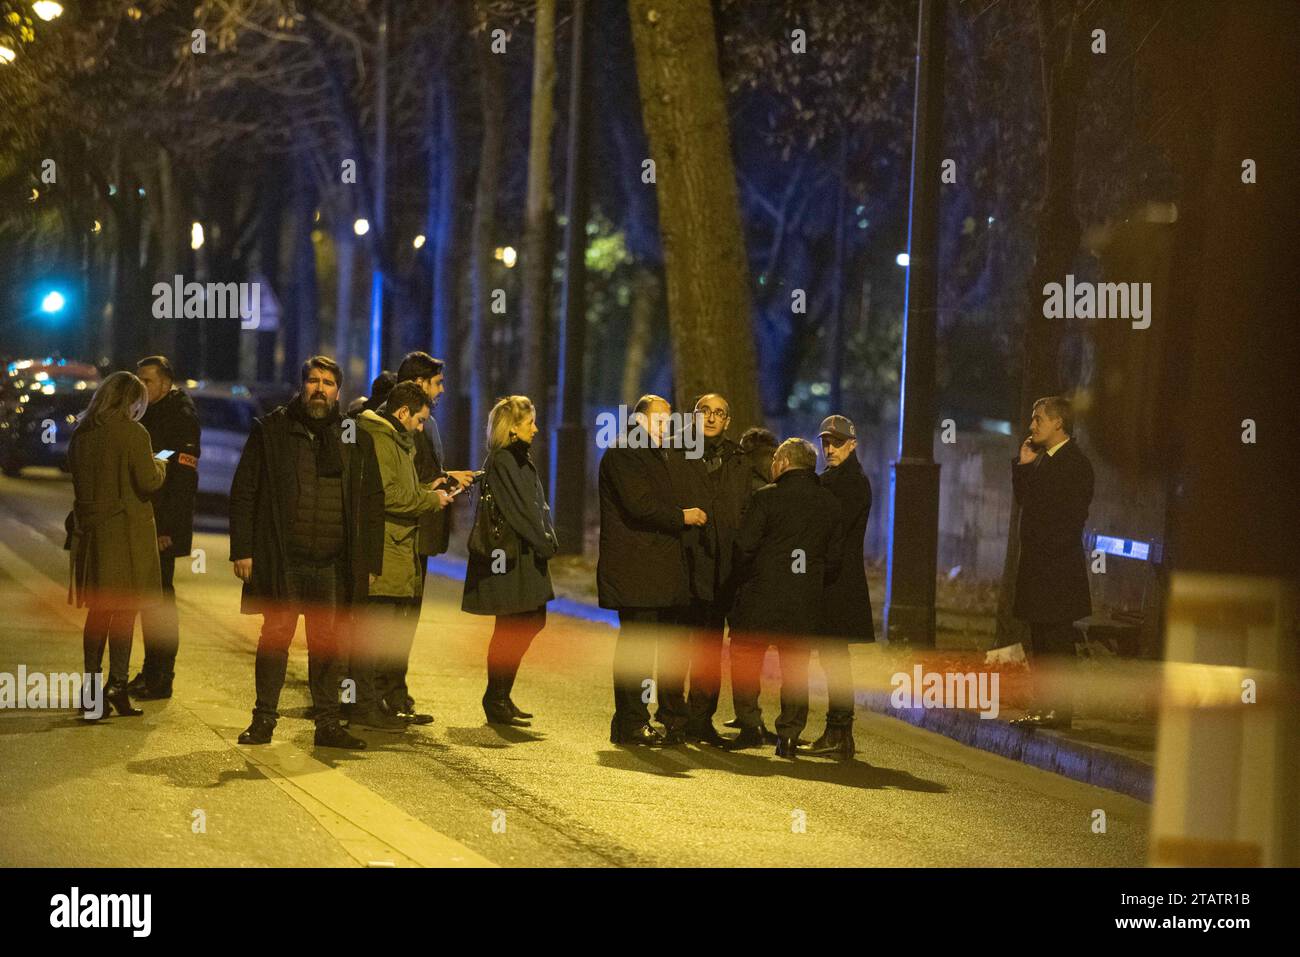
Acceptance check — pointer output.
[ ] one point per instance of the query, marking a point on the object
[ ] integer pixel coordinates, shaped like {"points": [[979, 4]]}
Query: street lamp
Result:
{"points": [[53, 302], [47, 10], [361, 227]]}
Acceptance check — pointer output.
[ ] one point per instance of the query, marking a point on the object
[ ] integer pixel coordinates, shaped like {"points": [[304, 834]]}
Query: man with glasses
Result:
{"points": [[846, 612], [720, 477]]}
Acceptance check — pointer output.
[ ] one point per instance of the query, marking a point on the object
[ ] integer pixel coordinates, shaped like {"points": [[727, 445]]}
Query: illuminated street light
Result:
{"points": [[902, 259], [47, 10], [418, 241], [196, 236], [361, 227], [509, 256], [53, 302], [97, 227]]}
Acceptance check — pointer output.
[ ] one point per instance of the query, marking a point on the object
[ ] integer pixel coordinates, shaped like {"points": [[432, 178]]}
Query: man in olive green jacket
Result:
{"points": [[386, 627]]}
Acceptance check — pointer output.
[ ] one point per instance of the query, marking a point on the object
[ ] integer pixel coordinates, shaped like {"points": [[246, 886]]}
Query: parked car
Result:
{"points": [[40, 400], [226, 414]]}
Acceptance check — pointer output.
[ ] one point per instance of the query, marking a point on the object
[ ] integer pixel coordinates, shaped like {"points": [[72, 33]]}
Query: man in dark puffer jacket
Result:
{"points": [[306, 534]]}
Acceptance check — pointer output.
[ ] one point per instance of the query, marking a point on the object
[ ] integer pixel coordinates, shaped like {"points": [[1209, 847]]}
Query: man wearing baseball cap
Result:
{"points": [[846, 614]]}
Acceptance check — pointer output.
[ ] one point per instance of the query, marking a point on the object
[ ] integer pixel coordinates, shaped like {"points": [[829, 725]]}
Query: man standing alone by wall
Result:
{"points": [[1053, 484]]}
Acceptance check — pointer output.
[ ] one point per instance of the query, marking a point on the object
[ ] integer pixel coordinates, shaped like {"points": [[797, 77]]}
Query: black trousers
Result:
{"points": [[1052, 644], [161, 628], [747, 654], [643, 635], [114, 628], [833, 653], [693, 648], [511, 637], [315, 592], [381, 652]]}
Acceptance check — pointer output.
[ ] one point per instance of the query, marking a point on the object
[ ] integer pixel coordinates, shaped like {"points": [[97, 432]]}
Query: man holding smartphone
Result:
{"points": [[173, 426], [435, 526], [1053, 484]]}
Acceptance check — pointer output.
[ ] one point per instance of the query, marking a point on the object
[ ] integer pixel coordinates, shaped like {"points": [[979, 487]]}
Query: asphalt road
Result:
{"points": [[174, 789]]}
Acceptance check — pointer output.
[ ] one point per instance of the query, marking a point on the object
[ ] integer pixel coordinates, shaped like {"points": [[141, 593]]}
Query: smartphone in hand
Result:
{"points": [[165, 454]]}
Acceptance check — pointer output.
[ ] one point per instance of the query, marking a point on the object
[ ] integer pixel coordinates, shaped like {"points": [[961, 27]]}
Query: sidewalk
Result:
{"points": [[1112, 750]]}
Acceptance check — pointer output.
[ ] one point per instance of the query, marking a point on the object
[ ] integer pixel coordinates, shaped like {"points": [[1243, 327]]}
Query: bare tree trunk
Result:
{"points": [[1066, 61], [492, 94], [444, 235], [647, 290], [539, 222], [346, 253], [538, 219], [302, 330], [685, 112]]}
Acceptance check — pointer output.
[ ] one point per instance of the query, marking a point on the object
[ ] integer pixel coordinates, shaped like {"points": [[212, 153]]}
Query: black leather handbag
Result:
{"points": [[491, 532]]}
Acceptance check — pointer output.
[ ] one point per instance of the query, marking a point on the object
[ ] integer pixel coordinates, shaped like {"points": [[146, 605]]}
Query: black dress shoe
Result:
{"points": [[332, 735], [748, 738], [706, 734], [498, 712], [515, 709], [835, 742], [259, 732], [674, 736], [733, 723], [786, 748], [376, 720], [643, 737], [413, 717], [156, 692]]}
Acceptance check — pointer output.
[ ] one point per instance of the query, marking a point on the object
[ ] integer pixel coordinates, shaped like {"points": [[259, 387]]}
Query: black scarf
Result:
{"points": [[329, 449]]}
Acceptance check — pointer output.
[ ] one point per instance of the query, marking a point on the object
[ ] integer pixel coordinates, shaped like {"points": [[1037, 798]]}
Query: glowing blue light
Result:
{"points": [[53, 302]]}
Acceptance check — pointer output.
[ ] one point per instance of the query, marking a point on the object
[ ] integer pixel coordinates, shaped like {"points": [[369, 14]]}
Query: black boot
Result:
{"points": [[496, 706], [835, 742], [785, 748], [115, 695], [332, 735], [259, 732], [515, 709], [748, 738]]}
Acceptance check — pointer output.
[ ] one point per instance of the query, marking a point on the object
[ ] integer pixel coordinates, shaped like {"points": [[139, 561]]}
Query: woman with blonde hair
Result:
{"points": [[510, 545], [115, 569]]}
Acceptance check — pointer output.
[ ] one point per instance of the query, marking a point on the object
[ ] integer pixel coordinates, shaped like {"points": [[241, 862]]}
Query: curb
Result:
{"points": [[1041, 749], [1045, 750]]}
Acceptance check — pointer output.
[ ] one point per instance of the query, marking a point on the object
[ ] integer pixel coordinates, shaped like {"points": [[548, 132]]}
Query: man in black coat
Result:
{"points": [[306, 534], [1053, 483], [720, 479], [789, 547], [435, 527], [642, 570], [172, 424], [846, 615]]}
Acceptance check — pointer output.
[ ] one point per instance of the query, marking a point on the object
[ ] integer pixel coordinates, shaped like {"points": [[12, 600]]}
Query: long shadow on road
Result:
{"points": [[852, 774]]}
